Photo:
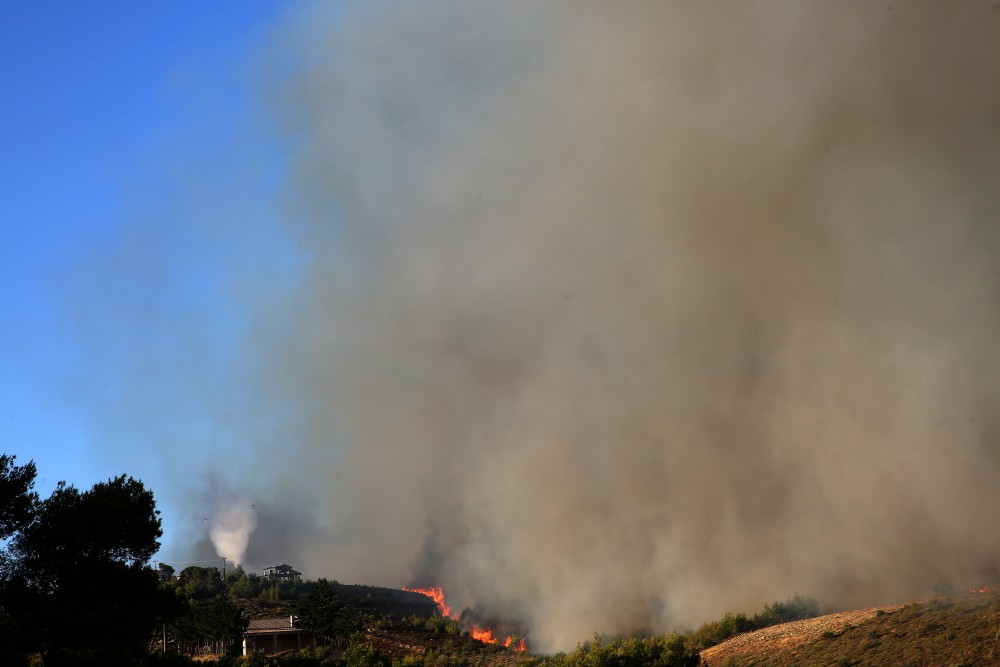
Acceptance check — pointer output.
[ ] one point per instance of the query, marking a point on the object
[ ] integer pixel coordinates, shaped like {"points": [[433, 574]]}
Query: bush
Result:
{"points": [[711, 634], [360, 654], [255, 659], [629, 651], [793, 609]]}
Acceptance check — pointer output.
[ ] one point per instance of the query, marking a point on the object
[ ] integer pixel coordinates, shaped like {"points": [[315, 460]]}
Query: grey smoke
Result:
{"points": [[624, 315]]}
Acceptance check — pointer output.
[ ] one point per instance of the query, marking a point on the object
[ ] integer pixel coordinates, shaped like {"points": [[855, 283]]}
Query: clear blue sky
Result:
{"points": [[119, 121]]}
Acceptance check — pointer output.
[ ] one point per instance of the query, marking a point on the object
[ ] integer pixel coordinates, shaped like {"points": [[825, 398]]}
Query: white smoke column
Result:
{"points": [[230, 528]]}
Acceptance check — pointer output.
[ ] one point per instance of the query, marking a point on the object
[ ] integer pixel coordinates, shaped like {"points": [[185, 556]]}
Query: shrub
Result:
{"points": [[711, 634], [793, 609], [359, 654], [628, 651]]}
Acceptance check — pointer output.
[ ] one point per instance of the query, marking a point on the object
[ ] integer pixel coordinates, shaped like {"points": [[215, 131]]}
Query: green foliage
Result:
{"points": [[793, 609], [221, 620], [241, 585], [362, 654], [322, 614], [711, 634], [629, 651], [440, 624], [276, 591], [201, 582]]}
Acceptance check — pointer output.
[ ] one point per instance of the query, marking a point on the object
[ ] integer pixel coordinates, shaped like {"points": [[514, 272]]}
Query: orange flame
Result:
{"points": [[484, 635], [984, 589], [521, 646], [437, 594]]}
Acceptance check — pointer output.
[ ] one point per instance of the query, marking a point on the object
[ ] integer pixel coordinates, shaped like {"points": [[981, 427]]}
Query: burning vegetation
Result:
{"points": [[479, 630]]}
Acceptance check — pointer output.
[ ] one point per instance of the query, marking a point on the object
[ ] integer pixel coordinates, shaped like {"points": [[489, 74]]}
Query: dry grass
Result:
{"points": [[955, 632]]}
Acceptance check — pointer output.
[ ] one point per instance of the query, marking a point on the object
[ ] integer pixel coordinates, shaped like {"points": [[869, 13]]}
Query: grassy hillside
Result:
{"points": [[952, 632]]}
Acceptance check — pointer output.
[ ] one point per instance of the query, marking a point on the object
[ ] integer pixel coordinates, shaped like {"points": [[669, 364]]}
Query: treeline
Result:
{"points": [[200, 583], [76, 589], [214, 612]]}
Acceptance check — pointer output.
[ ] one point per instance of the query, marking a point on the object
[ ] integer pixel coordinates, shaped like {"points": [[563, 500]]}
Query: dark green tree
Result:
{"points": [[76, 577], [222, 621], [18, 608], [18, 500], [201, 582], [238, 583], [321, 613]]}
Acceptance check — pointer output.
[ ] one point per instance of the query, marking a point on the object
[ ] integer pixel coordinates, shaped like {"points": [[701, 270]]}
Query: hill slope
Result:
{"points": [[947, 632]]}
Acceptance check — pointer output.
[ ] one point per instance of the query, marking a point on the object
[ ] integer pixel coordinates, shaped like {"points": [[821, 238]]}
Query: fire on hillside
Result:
{"points": [[478, 630]]}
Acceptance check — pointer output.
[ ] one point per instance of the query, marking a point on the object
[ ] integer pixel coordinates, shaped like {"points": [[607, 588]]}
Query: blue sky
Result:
{"points": [[134, 150]]}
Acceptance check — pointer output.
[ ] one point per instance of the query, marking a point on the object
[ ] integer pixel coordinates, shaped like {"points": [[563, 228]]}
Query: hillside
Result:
{"points": [[947, 632], [367, 600], [405, 627]]}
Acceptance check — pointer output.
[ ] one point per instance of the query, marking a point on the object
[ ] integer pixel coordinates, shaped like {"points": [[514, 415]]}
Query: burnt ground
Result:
{"points": [[462, 649]]}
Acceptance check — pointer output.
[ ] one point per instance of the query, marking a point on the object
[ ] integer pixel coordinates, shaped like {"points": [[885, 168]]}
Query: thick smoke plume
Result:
{"points": [[230, 528], [626, 314]]}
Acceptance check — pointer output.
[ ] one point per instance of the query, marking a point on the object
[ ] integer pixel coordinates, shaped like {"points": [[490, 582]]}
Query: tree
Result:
{"points": [[222, 621], [201, 582], [17, 499], [18, 503], [239, 584], [76, 582], [323, 615]]}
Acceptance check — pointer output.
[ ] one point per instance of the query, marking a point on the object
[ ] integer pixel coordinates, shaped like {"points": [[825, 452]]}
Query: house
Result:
{"points": [[273, 635], [283, 572]]}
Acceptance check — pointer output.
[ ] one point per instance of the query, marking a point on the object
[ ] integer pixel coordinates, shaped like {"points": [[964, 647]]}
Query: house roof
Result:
{"points": [[271, 626], [284, 568]]}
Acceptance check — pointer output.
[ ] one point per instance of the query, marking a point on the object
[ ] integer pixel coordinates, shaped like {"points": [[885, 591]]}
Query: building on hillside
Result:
{"points": [[283, 572], [274, 635]]}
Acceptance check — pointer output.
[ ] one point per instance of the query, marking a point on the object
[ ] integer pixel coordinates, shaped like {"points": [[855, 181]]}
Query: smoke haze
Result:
{"points": [[625, 315]]}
